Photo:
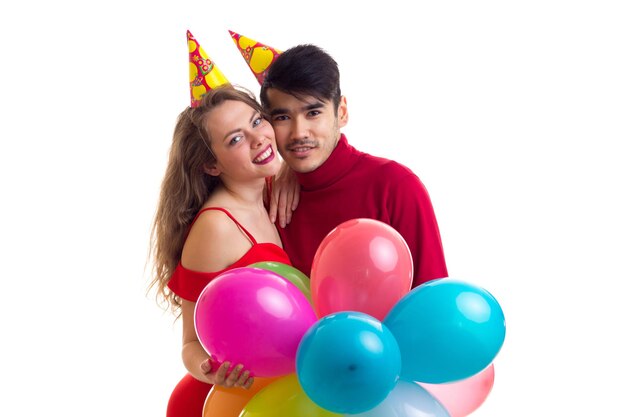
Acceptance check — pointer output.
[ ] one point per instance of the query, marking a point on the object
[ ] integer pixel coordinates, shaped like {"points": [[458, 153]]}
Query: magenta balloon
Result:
{"points": [[254, 317], [465, 396], [362, 265]]}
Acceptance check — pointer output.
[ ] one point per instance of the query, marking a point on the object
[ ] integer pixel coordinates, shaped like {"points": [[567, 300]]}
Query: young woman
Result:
{"points": [[211, 218]]}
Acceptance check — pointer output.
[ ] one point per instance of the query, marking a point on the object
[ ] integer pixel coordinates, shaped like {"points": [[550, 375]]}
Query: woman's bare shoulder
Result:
{"points": [[214, 242]]}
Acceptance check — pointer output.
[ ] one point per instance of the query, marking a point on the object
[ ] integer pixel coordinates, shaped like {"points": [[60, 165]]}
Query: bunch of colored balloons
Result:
{"points": [[355, 340]]}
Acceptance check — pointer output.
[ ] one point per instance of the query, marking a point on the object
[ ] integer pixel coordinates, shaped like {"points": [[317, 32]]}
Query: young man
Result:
{"points": [[301, 93]]}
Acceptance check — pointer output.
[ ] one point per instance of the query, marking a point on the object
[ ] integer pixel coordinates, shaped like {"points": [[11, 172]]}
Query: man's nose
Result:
{"points": [[299, 128]]}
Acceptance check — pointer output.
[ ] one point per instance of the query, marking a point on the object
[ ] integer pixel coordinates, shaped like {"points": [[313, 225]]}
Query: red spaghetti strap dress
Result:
{"points": [[187, 399]]}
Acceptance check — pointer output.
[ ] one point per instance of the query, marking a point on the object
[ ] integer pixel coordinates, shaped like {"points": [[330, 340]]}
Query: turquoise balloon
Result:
{"points": [[348, 362], [447, 330]]}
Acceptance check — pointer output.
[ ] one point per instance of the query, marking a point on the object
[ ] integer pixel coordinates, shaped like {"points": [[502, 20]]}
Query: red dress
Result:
{"points": [[187, 399]]}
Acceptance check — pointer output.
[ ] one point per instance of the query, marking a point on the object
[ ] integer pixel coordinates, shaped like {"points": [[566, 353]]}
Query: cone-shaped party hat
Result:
{"points": [[203, 73], [258, 56]]}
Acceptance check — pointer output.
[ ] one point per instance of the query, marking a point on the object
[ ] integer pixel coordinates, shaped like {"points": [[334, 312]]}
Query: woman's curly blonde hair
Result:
{"points": [[186, 187]]}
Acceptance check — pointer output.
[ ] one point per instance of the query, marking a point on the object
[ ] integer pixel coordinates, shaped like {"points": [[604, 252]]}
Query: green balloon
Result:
{"points": [[288, 272]]}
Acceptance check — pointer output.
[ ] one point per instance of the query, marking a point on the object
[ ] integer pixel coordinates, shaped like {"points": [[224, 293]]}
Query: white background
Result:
{"points": [[512, 114]]}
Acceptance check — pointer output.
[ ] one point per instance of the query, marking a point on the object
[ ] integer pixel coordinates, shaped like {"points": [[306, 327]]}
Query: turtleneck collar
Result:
{"points": [[339, 163]]}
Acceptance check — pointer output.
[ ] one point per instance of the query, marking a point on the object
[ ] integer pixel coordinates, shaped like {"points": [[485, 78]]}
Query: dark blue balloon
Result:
{"points": [[348, 362], [447, 330]]}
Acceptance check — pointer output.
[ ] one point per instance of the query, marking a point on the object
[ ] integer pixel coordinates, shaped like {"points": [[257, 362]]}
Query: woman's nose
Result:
{"points": [[257, 139]]}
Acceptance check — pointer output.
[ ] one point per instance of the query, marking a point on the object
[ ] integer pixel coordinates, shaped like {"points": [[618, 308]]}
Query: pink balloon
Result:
{"points": [[463, 397], [254, 317], [362, 265]]}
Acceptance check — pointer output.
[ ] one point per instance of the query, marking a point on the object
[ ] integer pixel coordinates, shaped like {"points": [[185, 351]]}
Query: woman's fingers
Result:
{"points": [[220, 375], [237, 377], [231, 379], [248, 383], [243, 378]]}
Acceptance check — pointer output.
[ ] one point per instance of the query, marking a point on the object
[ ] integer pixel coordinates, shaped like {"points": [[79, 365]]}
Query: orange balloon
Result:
{"points": [[229, 402]]}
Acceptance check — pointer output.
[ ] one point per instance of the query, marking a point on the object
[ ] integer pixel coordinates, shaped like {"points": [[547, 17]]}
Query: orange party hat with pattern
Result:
{"points": [[258, 56], [204, 75]]}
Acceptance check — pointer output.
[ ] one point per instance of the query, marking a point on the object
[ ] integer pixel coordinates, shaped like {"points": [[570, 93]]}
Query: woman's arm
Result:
{"points": [[285, 195], [204, 251], [199, 363]]}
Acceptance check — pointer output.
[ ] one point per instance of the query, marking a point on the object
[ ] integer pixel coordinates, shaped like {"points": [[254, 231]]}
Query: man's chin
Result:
{"points": [[301, 166]]}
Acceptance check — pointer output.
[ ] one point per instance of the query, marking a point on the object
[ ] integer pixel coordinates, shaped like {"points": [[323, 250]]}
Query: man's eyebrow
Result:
{"points": [[313, 106], [276, 111], [308, 107]]}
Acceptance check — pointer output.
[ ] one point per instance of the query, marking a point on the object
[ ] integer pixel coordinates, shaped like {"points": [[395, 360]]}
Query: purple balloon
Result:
{"points": [[254, 317]]}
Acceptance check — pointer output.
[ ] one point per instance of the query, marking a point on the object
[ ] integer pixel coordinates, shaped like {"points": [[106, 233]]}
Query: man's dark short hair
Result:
{"points": [[304, 70]]}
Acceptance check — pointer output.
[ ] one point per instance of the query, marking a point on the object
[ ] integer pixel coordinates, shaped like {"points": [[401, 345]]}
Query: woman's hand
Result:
{"points": [[219, 375], [285, 195]]}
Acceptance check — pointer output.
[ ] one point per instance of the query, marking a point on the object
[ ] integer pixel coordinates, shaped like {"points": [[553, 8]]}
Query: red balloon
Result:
{"points": [[362, 265]]}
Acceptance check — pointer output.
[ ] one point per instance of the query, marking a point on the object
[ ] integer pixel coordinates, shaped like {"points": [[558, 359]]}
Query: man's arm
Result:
{"points": [[412, 214]]}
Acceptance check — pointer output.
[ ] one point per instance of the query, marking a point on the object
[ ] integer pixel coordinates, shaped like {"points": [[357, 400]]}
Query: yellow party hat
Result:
{"points": [[258, 56], [203, 73]]}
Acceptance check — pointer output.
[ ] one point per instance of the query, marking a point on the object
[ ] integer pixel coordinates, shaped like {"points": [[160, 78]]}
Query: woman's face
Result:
{"points": [[242, 141]]}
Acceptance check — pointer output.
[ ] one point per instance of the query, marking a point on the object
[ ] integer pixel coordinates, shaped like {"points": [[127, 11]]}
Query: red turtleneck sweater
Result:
{"points": [[352, 184]]}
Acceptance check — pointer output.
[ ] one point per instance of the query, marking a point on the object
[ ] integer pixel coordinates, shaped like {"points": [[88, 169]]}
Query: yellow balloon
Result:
{"points": [[282, 398]]}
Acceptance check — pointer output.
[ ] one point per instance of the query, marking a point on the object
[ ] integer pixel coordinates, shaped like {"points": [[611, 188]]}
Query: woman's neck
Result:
{"points": [[247, 195]]}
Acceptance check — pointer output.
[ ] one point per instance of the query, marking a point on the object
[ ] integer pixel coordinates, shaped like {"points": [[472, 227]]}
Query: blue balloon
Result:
{"points": [[407, 400], [348, 362], [447, 330]]}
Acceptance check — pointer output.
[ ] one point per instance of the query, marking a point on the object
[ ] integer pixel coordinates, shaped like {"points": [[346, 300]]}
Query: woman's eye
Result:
{"points": [[258, 120], [235, 140]]}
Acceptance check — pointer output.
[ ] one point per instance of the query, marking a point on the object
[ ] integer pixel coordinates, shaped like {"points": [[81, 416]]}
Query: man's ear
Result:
{"points": [[342, 112], [211, 169]]}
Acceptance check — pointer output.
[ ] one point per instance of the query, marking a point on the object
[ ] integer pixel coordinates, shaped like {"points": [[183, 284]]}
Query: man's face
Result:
{"points": [[307, 129]]}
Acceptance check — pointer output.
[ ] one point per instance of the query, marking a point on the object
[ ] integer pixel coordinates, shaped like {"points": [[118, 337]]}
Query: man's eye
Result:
{"points": [[314, 112], [280, 118]]}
